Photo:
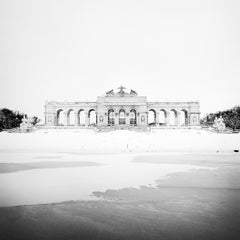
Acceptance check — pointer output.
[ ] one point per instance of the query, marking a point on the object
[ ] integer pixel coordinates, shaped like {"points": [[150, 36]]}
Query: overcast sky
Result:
{"points": [[78, 49]]}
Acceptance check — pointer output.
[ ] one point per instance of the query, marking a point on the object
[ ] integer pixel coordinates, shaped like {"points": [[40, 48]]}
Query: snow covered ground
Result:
{"points": [[87, 141], [108, 159]]}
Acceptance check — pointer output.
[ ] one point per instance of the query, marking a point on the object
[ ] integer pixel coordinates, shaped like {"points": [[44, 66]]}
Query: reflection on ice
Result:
{"points": [[78, 183]]}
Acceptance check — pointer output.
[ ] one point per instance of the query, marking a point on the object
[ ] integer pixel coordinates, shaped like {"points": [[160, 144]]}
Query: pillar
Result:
{"points": [[116, 119], [138, 116], [55, 119], [167, 120], [76, 118], [137, 121], [106, 119], [178, 118], [86, 118], [157, 118], [127, 119], [189, 119], [198, 119], [65, 119]]}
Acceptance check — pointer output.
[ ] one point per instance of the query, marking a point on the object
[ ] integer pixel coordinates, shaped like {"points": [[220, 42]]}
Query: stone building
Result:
{"points": [[122, 109]]}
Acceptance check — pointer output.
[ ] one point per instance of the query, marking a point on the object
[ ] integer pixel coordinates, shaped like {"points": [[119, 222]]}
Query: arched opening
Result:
{"points": [[152, 117], [183, 118], [92, 117], [162, 117], [60, 117], [111, 117], [133, 117], [173, 117], [70, 117], [81, 117], [122, 117]]}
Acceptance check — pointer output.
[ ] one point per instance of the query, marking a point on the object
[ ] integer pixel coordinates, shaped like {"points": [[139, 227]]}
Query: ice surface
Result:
{"points": [[112, 151]]}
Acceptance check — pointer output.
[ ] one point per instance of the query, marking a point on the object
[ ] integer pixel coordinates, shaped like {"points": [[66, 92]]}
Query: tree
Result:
{"points": [[10, 119], [231, 118]]}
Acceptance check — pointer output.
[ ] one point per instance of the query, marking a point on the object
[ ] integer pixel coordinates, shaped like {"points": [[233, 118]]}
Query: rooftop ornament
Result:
{"points": [[121, 92]]}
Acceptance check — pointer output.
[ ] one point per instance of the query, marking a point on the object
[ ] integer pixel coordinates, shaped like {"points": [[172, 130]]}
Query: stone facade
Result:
{"points": [[124, 109]]}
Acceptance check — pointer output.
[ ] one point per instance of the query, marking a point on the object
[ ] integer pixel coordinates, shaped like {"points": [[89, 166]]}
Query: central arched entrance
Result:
{"points": [[133, 117], [122, 117], [111, 117]]}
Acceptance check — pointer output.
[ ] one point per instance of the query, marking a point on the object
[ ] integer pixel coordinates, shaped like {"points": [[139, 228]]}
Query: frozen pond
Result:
{"points": [[64, 183]]}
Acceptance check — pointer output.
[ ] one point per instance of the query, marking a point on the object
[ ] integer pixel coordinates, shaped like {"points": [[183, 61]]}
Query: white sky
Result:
{"points": [[78, 49]]}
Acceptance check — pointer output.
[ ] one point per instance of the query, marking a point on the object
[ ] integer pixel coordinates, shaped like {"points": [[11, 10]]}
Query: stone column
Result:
{"points": [[187, 119], [106, 119], [127, 119], [138, 118], [65, 119], [55, 119], [116, 119], [86, 118], [96, 118], [76, 119], [178, 118], [157, 118], [198, 119], [146, 118], [190, 119], [167, 120]]}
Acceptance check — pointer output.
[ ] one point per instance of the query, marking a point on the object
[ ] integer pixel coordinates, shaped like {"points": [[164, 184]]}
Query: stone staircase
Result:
{"points": [[122, 127]]}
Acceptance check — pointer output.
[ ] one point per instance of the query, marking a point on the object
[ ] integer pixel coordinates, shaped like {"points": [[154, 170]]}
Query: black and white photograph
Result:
{"points": [[119, 120]]}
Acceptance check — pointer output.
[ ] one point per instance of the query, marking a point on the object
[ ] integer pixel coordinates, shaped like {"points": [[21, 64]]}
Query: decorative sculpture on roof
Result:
{"points": [[122, 90], [133, 92], [111, 92]]}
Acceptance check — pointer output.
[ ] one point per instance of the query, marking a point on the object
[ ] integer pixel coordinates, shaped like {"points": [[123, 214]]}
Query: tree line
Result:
{"points": [[11, 119], [231, 118]]}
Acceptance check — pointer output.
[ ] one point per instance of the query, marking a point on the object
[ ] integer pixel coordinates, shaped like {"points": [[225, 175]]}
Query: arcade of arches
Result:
{"points": [[122, 108]]}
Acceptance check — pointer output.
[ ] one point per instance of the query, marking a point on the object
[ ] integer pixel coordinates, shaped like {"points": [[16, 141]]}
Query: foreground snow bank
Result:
{"points": [[87, 141]]}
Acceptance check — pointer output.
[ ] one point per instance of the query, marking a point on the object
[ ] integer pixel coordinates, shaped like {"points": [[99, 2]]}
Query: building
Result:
{"points": [[122, 109]]}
